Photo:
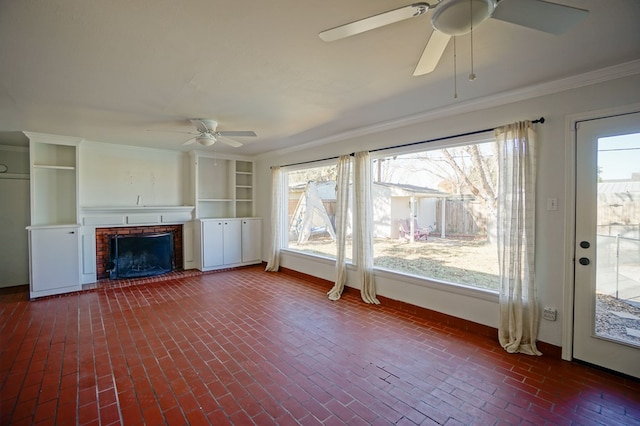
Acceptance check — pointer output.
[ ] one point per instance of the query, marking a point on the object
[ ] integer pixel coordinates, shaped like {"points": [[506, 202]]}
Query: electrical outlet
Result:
{"points": [[550, 314]]}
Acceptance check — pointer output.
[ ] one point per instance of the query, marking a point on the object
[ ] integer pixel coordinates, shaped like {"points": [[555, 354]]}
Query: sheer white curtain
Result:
{"points": [[277, 218], [363, 212], [342, 219], [518, 326]]}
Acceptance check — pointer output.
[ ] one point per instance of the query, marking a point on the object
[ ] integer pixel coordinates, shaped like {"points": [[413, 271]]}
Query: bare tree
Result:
{"points": [[480, 179], [316, 174]]}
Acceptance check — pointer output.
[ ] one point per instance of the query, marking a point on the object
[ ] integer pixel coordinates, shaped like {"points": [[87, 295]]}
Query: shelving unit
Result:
{"points": [[223, 187], [227, 233], [213, 196], [244, 189], [54, 180], [54, 243]]}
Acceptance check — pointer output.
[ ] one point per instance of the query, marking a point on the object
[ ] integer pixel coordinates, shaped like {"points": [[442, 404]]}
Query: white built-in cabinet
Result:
{"points": [[231, 242], [227, 234], [225, 243], [251, 240], [212, 232], [53, 233], [54, 260]]}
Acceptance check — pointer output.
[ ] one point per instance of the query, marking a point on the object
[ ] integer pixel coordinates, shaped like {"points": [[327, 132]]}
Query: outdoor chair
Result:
{"points": [[419, 234]]}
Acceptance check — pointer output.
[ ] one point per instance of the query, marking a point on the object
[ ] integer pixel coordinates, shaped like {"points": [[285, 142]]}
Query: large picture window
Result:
{"points": [[311, 211], [435, 214]]}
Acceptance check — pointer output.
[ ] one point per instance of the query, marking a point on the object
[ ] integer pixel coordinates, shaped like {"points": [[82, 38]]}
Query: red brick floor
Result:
{"points": [[249, 347]]}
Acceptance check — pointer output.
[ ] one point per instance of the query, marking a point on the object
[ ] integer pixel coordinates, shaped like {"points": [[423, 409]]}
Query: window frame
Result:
{"points": [[385, 273], [285, 205], [446, 142]]}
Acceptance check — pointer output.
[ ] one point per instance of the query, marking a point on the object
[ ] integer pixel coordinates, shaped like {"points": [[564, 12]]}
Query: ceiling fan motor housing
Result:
{"points": [[457, 17]]}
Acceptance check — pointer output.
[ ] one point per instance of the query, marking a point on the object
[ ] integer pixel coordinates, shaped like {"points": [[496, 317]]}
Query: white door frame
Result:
{"points": [[570, 216]]}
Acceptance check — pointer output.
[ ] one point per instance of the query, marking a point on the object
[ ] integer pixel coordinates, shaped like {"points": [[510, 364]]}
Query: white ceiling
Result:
{"points": [[133, 72]]}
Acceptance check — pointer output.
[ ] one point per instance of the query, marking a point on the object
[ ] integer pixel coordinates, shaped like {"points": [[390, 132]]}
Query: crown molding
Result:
{"points": [[53, 139], [537, 90]]}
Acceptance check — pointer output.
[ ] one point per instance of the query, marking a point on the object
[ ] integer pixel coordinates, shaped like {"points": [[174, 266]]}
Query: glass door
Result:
{"points": [[607, 247]]}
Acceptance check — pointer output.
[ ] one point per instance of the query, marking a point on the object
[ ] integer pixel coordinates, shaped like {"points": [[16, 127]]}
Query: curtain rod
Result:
{"points": [[459, 135], [444, 138]]}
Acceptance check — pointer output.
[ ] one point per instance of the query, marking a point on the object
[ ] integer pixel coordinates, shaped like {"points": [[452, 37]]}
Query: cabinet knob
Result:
{"points": [[72, 232]]}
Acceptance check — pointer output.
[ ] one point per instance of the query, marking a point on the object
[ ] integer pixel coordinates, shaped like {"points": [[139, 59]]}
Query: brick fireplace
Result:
{"points": [[104, 234]]}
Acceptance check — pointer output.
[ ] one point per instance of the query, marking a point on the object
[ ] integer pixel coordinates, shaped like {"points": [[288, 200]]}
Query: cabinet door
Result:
{"points": [[54, 259], [251, 240], [212, 244], [232, 241]]}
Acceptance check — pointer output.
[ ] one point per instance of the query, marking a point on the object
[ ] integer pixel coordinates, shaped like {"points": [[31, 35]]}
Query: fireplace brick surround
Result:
{"points": [[104, 234]]}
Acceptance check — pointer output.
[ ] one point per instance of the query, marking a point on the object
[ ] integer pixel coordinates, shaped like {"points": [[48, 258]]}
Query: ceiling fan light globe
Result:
{"points": [[457, 17], [206, 140]]}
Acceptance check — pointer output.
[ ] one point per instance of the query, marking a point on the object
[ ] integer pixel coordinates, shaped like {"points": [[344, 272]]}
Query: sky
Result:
{"points": [[619, 156]]}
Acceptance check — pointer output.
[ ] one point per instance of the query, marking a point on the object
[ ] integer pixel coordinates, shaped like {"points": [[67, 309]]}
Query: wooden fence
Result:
{"points": [[462, 218]]}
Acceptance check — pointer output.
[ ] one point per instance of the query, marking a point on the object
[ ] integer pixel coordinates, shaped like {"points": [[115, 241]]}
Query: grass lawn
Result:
{"points": [[470, 262]]}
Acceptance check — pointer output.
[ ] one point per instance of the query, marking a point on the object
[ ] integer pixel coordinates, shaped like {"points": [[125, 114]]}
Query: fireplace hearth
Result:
{"points": [[134, 256]]}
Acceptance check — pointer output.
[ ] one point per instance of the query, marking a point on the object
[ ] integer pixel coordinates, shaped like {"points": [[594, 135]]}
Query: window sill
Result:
{"points": [[304, 255], [449, 287]]}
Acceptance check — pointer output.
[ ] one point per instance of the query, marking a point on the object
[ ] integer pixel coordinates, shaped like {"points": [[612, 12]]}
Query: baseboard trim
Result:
{"points": [[423, 313]]}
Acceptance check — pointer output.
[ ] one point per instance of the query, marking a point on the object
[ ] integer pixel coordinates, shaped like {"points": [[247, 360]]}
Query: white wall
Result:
{"points": [[427, 212], [115, 175], [14, 217], [477, 115]]}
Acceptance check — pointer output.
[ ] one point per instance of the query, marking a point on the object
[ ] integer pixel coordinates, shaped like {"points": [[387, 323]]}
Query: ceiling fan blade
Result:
{"points": [[190, 142], [539, 15], [229, 142], [432, 53], [374, 22], [172, 131], [237, 133]]}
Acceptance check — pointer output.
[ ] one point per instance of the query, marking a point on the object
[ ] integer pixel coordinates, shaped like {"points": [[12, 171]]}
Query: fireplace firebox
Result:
{"points": [[144, 255]]}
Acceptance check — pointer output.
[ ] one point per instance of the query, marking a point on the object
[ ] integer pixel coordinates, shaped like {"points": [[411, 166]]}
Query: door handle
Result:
{"points": [[584, 261]]}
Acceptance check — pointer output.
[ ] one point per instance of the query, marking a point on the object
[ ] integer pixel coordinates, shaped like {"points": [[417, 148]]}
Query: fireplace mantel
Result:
{"points": [[134, 215]]}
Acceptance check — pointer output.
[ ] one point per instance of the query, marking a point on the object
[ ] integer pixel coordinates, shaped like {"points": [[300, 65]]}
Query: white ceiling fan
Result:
{"points": [[457, 17], [207, 133]]}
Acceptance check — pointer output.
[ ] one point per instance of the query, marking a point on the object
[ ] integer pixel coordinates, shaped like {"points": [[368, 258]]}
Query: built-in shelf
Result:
{"points": [[54, 179], [53, 167], [54, 241], [223, 187]]}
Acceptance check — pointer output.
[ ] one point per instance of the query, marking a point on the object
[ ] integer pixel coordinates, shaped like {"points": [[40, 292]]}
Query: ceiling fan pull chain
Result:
{"points": [[472, 76], [455, 72]]}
